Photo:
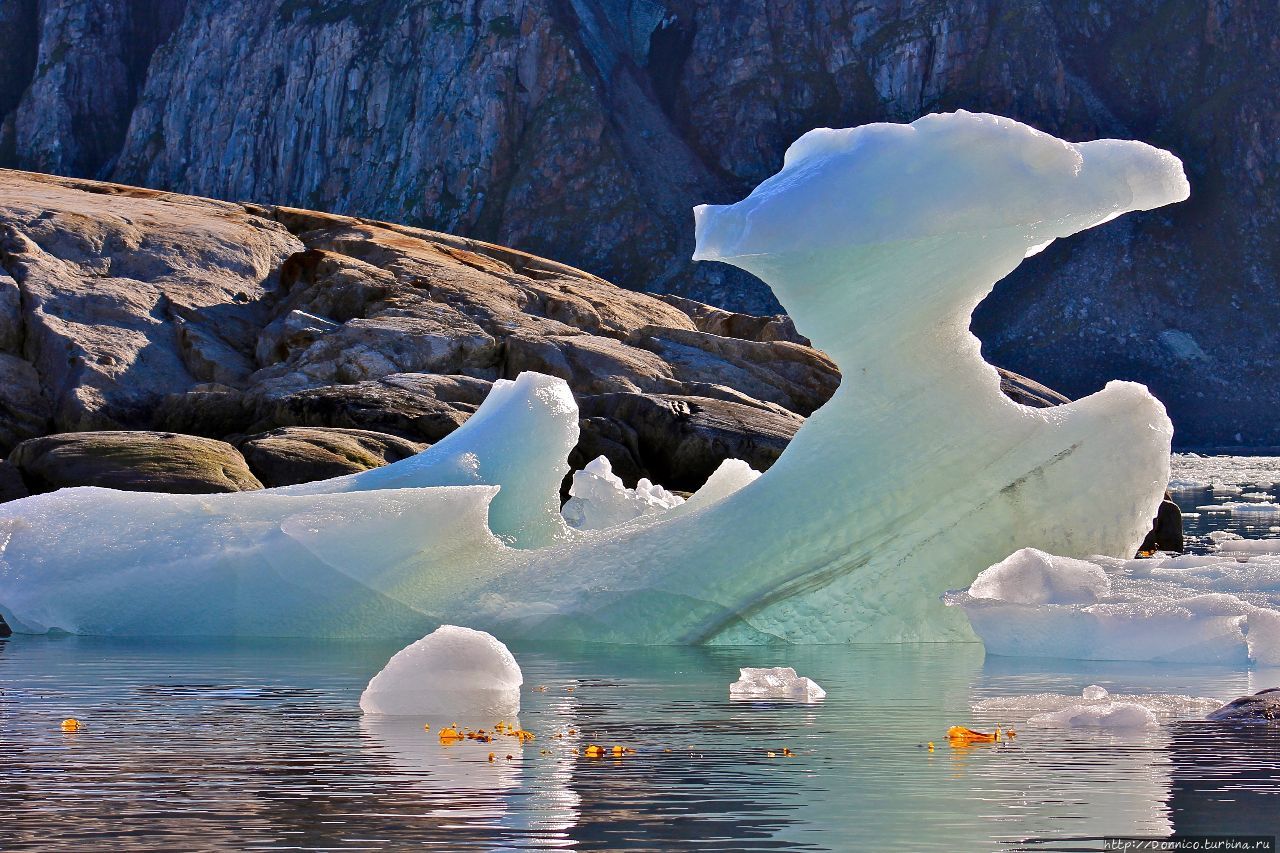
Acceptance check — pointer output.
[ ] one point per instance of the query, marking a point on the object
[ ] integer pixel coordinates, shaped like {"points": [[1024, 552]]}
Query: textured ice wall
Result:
{"points": [[918, 473]]}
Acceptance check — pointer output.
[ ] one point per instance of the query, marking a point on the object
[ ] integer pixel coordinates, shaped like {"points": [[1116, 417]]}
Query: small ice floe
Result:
{"points": [[1096, 707], [1243, 508], [452, 673], [777, 682], [1250, 546], [599, 499], [1216, 608], [1109, 715]]}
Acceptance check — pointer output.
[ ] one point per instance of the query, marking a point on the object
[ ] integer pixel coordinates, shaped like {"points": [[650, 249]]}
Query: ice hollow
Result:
{"points": [[915, 476]]}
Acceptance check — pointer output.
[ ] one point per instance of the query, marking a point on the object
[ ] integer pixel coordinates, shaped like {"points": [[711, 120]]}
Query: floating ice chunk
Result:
{"points": [[599, 499], [1244, 508], [777, 682], [1030, 576], [1250, 546], [1162, 706], [451, 674], [1106, 715], [1183, 484], [1221, 608]]}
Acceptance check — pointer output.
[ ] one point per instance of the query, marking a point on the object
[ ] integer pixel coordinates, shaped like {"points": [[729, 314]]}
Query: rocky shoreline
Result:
{"points": [[158, 341]]}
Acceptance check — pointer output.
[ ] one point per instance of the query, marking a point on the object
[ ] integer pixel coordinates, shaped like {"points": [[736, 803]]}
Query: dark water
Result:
{"points": [[199, 745]]}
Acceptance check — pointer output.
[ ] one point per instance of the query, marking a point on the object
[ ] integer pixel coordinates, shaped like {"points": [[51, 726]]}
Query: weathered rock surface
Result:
{"points": [[585, 130], [348, 343], [292, 455], [1029, 392], [11, 485], [24, 411], [134, 461], [418, 407], [128, 295]]}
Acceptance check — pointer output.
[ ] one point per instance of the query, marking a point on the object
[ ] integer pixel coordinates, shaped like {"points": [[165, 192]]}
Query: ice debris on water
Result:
{"points": [[599, 499], [776, 682], [1216, 608], [1096, 707], [452, 673], [1108, 715]]}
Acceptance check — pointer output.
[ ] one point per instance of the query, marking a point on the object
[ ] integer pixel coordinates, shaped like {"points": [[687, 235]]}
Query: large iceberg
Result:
{"points": [[917, 474]]}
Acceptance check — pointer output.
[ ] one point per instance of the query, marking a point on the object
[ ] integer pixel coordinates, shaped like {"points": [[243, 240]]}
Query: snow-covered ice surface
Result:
{"points": [[1096, 708], [1215, 608], [453, 672], [598, 498], [775, 682], [918, 473]]}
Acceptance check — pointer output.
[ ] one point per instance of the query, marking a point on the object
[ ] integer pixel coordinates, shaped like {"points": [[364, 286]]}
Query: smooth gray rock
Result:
{"points": [[134, 462], [1261, 707], [291, 455]]}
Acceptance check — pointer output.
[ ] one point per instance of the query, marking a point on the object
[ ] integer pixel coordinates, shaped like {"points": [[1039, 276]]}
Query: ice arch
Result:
{"points": [[917, 474]]}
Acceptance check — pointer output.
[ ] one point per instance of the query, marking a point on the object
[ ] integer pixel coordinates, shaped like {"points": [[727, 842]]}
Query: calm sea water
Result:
{"points": [[189, 745]]}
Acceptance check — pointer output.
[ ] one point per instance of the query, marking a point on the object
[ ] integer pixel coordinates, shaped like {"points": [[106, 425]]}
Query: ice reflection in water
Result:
{"points": [[260, 746]]}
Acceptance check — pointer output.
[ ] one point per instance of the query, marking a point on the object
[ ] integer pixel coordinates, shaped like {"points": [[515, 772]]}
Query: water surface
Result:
{"points": [[259, 745]]}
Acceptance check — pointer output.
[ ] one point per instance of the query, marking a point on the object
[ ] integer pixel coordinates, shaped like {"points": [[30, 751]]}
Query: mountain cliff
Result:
{"points": [[584, 130]]}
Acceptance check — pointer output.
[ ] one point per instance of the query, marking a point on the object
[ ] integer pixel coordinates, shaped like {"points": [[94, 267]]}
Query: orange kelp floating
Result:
{"points": [[450, 735], [960, 737]]}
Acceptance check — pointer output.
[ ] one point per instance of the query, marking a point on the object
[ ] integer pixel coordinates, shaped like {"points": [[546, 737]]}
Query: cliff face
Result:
{"points": [[585, 129]]}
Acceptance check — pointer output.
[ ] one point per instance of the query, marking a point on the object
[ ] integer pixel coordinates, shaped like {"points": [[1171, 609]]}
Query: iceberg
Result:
{"points": [[453, 673], [776, 682], [1217, 608], [916, 475]]}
